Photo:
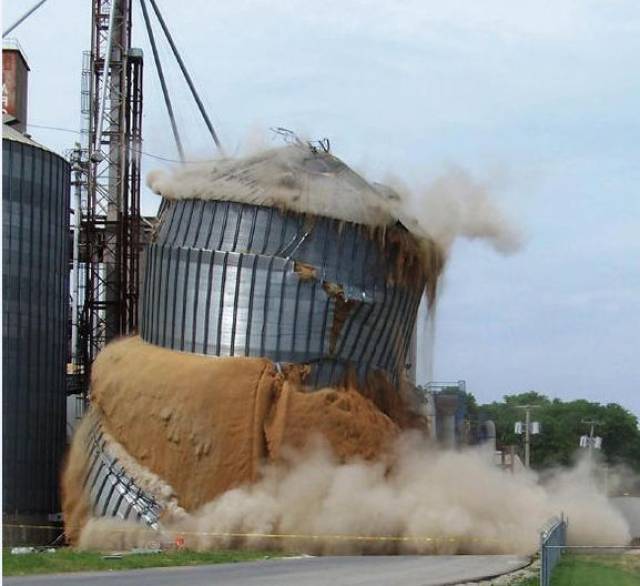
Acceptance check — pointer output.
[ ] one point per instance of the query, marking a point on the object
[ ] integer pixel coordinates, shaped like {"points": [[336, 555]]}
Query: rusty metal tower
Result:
{"points": [[110, 218], [106, 177]]}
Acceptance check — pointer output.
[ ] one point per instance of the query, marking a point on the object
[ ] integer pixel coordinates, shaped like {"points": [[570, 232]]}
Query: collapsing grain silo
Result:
{"points": [[280, 296]]}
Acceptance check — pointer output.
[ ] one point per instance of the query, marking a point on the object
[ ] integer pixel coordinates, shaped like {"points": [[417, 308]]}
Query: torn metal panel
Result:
{"points": [[230, 279], [112, 491]]}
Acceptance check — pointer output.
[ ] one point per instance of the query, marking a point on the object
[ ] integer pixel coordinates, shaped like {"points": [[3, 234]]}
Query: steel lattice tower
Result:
{"points": [[110, 227]]}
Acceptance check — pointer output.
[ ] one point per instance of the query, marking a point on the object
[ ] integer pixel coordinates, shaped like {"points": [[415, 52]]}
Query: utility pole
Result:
{"points": [[591, 443], [527, 439], [527, 431]]}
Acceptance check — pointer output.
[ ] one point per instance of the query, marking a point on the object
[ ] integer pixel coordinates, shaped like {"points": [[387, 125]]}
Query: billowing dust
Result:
{"points": [[289, 177], [457, 205], [219, 431], [417, 499], [453, 205]]}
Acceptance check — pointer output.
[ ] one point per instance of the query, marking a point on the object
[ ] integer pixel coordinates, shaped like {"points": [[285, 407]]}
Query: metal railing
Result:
{"points": [[553, 538]]}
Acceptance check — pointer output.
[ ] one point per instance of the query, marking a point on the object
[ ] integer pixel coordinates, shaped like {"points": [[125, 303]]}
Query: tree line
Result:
{"points": [[563, 422]]}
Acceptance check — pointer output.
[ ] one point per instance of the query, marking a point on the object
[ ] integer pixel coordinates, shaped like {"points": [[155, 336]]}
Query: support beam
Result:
{"points": [[163, 84], [111, 207], [24, 17], [187, 77]]}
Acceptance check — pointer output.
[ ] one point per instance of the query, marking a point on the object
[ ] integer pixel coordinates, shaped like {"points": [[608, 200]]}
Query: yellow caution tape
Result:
{"points": [[317, 537]]}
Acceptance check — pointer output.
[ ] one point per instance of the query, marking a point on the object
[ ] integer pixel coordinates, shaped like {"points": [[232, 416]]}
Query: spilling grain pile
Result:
{"points": [[268, 382]]}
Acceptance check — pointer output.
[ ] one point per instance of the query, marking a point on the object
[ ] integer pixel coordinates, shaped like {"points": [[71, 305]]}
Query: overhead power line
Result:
{"points": [[145, 153]]}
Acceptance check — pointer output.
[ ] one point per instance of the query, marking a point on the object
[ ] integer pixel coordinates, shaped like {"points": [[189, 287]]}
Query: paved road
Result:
{"points": [[319, 571]]}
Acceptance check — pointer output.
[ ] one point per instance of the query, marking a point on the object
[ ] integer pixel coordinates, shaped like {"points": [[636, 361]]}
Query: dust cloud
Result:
{"points": [[457, 205], [453, 205], [414, 500]]}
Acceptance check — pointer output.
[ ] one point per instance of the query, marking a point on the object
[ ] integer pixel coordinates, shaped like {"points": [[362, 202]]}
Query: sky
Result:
{"points": [[539, 99]]}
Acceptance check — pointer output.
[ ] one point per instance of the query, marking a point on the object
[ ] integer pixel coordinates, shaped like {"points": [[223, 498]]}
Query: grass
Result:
{"points": [[593, 570], [528, 582], [69, 560], [573, 570], [597, 570]]}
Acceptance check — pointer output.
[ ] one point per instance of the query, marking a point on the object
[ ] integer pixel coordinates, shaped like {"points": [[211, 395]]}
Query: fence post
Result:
{"points": [[543, 565], [555, 535]]}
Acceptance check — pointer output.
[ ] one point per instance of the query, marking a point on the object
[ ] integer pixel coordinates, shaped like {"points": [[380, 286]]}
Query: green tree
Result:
{"points": [[563, 424]]}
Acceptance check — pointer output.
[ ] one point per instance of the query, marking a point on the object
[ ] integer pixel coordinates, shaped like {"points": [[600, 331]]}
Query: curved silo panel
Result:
{"points": [[35, 215], [235, 279]]}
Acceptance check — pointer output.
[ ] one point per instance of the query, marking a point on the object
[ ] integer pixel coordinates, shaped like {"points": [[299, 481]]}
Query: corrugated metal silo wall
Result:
{"points": [[221, 280], [35, 285]]}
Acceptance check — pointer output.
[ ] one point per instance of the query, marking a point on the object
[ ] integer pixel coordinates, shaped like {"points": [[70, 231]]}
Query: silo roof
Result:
{"points": [[10, 133], [295, 177]]}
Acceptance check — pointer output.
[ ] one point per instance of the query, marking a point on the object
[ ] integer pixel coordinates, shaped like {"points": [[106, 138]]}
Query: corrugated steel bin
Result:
{"points": [[35, 216]]}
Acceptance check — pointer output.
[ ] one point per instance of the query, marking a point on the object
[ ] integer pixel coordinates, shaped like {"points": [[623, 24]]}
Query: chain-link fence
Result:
{"points": [[553, 538]]}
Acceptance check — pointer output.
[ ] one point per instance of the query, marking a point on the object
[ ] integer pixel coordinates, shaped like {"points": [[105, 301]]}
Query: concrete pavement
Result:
{"points": [[317, 571]]}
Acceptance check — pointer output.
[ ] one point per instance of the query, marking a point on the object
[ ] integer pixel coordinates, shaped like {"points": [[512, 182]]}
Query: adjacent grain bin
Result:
{"points": [[35, 249]]}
